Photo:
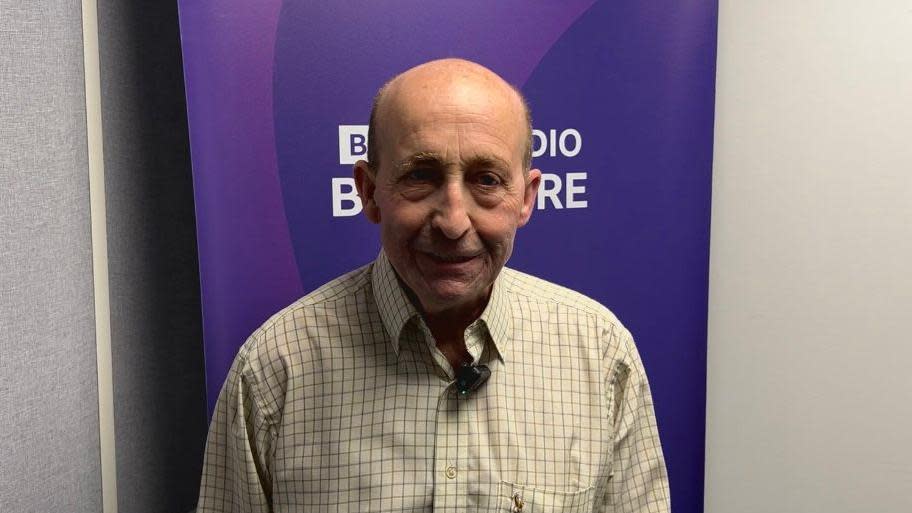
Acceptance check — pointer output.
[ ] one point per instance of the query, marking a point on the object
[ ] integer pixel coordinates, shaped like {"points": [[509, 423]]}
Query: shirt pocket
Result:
{"points": [[530, 499]]}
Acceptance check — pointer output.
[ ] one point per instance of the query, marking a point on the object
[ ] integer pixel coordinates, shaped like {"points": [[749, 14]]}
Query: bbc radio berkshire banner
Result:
{"points": [[621, 93]]}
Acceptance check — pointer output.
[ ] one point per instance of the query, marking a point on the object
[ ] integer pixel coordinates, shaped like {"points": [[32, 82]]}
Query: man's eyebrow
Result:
{"points": [[485, 161], [435, 159], [422, 157]]}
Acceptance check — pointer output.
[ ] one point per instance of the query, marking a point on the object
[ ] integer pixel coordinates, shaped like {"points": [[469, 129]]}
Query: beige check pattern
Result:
{"points": [[341, 402]]}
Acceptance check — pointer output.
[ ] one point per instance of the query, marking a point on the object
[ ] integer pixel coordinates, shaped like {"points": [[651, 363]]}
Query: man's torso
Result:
{"points": [[363, 427]]}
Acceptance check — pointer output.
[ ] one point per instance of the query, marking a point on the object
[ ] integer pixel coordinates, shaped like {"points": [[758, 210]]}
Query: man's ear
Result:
{"points": [[365, 182], [533, 180]]}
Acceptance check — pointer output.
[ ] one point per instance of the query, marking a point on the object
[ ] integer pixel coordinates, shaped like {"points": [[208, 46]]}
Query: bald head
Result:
{"points": [[428, 82]]}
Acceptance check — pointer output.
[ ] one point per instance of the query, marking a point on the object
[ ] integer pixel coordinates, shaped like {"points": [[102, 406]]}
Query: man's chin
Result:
{"points": [[448, 295]]}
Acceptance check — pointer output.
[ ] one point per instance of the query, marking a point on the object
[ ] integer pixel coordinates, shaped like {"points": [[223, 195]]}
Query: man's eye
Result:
{"points": [[420, 174], [489, 180]]}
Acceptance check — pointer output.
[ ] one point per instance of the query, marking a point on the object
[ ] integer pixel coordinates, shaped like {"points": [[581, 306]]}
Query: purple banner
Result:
{"points": [[622, 96]]}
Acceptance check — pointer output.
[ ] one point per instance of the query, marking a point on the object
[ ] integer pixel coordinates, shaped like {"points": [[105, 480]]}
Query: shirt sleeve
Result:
{"points": [[639, 481], [236, 465]]}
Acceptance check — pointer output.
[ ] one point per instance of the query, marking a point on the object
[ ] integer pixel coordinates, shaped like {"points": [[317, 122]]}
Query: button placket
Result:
{"points": [[451, 481], [445, 451]]}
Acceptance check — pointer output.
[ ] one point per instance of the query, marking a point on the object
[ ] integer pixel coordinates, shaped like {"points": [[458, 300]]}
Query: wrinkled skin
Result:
{"points": [[449, 190]]}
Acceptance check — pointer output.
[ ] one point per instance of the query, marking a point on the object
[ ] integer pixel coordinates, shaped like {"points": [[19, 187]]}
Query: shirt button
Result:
{"points": [[451, 472]]}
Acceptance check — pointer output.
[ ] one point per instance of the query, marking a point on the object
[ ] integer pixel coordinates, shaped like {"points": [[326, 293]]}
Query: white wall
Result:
{"points": [[810, 343]]}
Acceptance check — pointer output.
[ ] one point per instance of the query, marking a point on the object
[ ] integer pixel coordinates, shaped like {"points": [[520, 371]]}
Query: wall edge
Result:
{"points": [[99, 256]]}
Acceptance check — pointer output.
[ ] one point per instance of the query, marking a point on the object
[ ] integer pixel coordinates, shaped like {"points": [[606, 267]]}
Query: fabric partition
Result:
{"points": [[622, 99]]}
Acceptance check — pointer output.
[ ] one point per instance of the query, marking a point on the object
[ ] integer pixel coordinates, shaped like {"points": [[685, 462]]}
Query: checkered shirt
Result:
{"points": [[342, 402]]}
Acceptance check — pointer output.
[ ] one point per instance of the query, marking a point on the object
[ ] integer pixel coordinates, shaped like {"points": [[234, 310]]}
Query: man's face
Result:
{"points": [[450, 190]]}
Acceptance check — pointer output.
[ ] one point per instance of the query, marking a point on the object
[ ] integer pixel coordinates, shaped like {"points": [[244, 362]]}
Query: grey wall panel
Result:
{"points": [[808, 404], [49, 445], [159, 395]]}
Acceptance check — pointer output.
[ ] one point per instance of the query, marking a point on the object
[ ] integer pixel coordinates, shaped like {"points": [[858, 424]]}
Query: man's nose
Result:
{"points": [[451, 215]]}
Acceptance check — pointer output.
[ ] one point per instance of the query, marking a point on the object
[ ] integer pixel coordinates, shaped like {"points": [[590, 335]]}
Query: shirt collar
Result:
{"points": [[497, 316], [396, 310]]}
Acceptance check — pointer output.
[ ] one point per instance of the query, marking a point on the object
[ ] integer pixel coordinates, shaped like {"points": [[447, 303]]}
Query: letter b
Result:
{"points": [[345, 203], [352, 143], [357, 144]]}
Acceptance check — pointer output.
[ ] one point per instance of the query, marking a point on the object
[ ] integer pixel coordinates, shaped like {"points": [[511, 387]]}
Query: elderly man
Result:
{"points": [[434, 378]]}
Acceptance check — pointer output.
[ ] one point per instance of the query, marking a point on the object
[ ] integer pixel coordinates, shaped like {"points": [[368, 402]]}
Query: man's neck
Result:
{"points": [[450, 340], [448, 328], [448, 325]]}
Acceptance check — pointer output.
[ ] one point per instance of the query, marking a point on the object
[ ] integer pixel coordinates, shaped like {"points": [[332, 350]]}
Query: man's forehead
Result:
{"points": [[448, 84]]}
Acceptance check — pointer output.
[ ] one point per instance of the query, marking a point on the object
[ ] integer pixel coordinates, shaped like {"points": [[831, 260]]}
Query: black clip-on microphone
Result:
{"points": [[470, 377]]}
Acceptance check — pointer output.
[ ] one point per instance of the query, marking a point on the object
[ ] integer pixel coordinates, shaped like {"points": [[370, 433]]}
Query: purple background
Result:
{"points": [[268, 84]]}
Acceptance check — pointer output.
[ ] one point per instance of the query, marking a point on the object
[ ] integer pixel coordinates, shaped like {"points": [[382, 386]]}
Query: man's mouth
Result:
{"points": [[451, 258]]}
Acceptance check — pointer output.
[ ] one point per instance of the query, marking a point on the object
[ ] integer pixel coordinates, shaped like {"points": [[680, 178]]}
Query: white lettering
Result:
{"points": [[577, 142], [352, 143], [342, 197], [549, 192], [573, 190], [552, 143], [539, 137], [557, 192]]}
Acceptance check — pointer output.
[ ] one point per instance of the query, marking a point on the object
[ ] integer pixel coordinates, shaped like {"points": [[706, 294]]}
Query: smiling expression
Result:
{"points": [[450, 189]]}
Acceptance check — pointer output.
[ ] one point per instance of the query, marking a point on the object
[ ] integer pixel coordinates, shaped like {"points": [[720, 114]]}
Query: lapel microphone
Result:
{"points": [[470, 377]]}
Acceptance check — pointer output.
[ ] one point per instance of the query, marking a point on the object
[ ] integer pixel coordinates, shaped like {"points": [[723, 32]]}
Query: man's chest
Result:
{"points": [[395, 436]]}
